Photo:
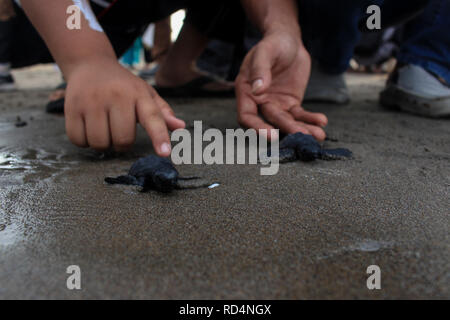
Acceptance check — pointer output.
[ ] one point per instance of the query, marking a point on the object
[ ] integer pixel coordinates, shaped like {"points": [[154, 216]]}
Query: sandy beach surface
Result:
{"points": [[309, 232]]}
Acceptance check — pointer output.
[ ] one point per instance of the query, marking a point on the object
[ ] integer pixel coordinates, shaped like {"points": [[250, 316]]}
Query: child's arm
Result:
{"points": [[103, 99]]}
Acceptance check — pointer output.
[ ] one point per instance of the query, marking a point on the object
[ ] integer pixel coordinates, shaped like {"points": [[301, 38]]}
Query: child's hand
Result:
{"points": [[103, 100], [103, 103]]}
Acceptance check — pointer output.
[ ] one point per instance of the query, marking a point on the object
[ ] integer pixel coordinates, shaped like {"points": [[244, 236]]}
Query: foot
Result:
{"points": [[57, 94], [411, 88], [172, 77], [324, 87], [7, 83]]}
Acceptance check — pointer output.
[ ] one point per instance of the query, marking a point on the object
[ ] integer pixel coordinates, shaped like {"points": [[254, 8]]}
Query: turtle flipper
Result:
{"points": [[335, 154], [126, 180], [192, 183]]}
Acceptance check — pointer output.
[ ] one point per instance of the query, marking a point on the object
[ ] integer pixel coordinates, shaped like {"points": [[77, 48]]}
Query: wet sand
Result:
{"points": [[309, 232]]}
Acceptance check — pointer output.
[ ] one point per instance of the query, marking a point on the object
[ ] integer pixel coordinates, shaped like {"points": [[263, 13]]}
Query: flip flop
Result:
{"points": [[194, 89], [149, 74], [56, 106]]}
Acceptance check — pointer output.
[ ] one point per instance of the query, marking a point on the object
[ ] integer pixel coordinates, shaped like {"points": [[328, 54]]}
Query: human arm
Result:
{"points": [[275, 73], [103, 100]]}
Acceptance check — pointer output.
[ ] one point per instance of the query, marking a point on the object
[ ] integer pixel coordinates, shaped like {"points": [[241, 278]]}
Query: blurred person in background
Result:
{"points": [[420, 82], [376, 51], [157, 41]]}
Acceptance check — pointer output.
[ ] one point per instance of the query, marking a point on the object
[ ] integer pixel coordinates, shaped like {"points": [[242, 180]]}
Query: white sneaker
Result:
{"points": [[324, 87], [411, 88]]}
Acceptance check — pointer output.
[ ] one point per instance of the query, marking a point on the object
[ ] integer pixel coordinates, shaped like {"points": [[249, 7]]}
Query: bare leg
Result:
{"points": [[162, 41], [179, 66], [6, 10]]}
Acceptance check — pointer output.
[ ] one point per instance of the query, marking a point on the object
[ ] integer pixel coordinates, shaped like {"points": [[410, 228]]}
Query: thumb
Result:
{"points": [[260, 71]]}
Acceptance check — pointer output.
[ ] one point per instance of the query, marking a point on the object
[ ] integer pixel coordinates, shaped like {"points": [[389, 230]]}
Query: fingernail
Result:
{"points": [[165, 148], [257, 84]]}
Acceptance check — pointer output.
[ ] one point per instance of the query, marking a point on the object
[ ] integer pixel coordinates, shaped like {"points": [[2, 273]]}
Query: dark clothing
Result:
{"points": [[331, 29], [26, 46], [125, 20], [6, 32], [426, 40]]}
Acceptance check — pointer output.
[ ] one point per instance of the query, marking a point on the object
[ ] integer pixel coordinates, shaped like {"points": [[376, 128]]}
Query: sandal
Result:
{"points": [[194, 89], [56, 106]]}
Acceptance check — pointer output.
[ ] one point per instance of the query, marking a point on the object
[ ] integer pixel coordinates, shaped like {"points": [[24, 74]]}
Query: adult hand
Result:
{"points": [[271, 86]]}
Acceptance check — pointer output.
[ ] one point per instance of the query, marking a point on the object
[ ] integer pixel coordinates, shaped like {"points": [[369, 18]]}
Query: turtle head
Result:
{"points": [[165, 181]]}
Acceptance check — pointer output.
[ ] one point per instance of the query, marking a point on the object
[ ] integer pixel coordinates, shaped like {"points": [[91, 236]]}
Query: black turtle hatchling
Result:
{"points": [[299, 146], [156, 173]]}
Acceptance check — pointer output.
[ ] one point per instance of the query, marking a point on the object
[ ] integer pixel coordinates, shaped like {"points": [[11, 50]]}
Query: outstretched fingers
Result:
{"points": [[281, 119], [151, 118], [173, 123], [288, 124], [248, 116], [318, 119]]}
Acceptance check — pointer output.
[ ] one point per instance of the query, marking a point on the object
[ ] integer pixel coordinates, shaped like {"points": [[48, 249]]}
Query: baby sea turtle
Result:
{"points": [[20, 123], [303, 147], [156, 173]]}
